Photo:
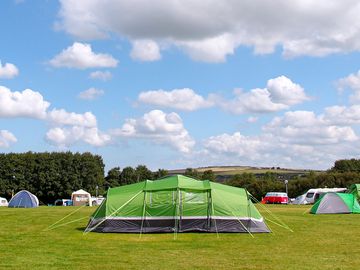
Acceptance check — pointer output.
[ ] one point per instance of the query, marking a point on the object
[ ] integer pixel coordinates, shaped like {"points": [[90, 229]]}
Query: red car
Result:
{"points": [[275, 197]]}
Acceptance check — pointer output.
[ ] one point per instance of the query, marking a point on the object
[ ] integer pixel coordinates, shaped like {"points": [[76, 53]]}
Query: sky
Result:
{"points": [[176, 84]]}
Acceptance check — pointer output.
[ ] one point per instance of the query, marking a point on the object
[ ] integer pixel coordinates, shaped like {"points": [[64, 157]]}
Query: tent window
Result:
{"points": [[161, 198], [195, 197]]}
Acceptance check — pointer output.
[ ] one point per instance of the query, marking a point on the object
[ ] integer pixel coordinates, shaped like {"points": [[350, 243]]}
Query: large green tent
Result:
{"points": [[336, 203], [177, 204]]}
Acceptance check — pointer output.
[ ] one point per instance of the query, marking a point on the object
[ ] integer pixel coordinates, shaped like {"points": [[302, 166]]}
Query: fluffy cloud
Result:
{"points": [[304, 127], [101, 75], [6, 138], [183, 99], [160, 128], [67, 136], [279, 94], [8, 71], [352, 82], [62, 117], [298, 137], [91, 94], [210, 30], [145, 50], [81, 56], [27, 103]]}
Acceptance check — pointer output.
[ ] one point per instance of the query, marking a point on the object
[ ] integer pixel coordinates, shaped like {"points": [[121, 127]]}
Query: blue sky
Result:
{"points": [[182, 84]]}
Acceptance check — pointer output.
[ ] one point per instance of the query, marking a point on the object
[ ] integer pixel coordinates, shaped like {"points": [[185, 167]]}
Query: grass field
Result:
{"points": [[318, 242]]}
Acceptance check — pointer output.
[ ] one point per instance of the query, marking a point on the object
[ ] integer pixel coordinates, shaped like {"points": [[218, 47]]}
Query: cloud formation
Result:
{"points": [[8, 71], [67, 136], [62, 117], [91, 94], [145, 50], [211, 30], [6, 139], [101, 75], [158, 127], [182, 99], [81, 56], [27, 103]]}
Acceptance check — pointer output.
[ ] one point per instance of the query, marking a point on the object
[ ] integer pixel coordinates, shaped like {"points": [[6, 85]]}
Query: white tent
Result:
{"points": [[3, 202], [81, 197]]}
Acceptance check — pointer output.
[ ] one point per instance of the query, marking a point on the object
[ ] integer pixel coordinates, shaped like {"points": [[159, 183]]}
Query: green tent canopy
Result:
{"points": [[336, 203], [355, 190], [177, 204]]}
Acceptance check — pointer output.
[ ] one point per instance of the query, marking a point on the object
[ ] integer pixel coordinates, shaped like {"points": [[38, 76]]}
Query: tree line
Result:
{"points": [[55, 175], [50, 176]]}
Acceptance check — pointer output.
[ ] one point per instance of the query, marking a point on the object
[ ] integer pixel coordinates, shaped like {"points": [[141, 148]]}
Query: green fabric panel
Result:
{"points": [[348, 199], [355, 189], [160, 203], [356, 206], [315, 207], [194, 203], [177, 181], [101, 211], [125, 197], [229, 201]]}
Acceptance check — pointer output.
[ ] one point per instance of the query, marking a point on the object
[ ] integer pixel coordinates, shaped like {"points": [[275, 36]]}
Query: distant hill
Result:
{"points": [[225, 172]]}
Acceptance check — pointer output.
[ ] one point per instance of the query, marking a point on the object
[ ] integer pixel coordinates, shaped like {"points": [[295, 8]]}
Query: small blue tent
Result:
{"points": [[24, 199]]}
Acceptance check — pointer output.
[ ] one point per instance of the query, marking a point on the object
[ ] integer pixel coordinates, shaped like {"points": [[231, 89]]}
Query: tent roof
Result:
{"points": [[80, 191]]}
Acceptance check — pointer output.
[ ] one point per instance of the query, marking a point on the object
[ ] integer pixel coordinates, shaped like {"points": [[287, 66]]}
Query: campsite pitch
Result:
{"points": [[318, 242]]}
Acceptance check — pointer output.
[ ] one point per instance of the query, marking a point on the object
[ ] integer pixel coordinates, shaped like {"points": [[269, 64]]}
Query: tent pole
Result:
{"points": [[177, 213], [213, 213], [143, 214]]}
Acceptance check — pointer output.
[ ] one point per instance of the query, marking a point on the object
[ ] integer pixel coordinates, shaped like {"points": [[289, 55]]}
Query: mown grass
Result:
{"points": [[318, 242]]}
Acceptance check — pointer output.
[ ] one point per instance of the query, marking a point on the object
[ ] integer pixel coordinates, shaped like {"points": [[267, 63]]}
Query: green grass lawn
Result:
{"points": [[318, 242]]}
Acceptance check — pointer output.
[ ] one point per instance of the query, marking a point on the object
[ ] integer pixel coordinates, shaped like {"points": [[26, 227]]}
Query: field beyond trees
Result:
{"points": [[318, 242]]}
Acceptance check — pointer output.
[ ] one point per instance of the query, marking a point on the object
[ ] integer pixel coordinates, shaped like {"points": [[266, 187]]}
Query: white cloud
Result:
{"points": [[101, 75], [304, 127], [352, 82], [91, 93], [160, 128], [62, 117], [279, 94], [8, 71], [65, 137], [145, 50], [81, 56], [252, 119], [27, 103], [209, 30], [183, 99], [6, 138]]}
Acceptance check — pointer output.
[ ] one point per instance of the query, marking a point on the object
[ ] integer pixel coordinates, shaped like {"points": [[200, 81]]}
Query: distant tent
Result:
{"points": [[24, 199], [3, 202], [336, 203], [81, 197], [177, 204], [355, 190]]}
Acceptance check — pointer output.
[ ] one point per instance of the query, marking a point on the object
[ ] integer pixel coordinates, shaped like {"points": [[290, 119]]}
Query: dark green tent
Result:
{"points": [[177, 204]]}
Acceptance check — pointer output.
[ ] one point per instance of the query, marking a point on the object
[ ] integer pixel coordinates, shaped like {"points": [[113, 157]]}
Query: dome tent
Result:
{"points": [[177, 204], [336, 203], [24, 199]]}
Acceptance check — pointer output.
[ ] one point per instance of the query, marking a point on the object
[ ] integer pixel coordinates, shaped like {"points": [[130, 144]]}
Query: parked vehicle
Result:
{"points": [[97, 200], [63, 202], [313, 194], [3, 202], [275, 197]]}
